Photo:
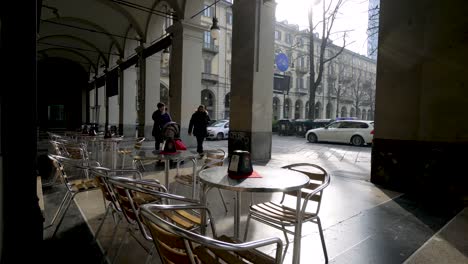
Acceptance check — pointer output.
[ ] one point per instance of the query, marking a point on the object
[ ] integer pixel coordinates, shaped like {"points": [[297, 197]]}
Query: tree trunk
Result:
{"points": [[312, 83]]}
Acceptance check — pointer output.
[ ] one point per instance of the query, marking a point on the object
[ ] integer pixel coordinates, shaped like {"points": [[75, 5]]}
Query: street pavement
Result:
{"points": [[342, 160]]}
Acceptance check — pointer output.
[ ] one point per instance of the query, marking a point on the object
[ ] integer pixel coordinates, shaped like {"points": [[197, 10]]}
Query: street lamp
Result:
{"points": [[215, 28]]}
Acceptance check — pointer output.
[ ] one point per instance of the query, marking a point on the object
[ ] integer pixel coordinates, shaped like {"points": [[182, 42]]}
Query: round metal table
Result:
{"points": [[272, 180]]}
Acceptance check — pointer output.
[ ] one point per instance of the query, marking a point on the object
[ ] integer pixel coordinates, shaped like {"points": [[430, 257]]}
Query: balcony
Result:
{"points": [[302, 69], [210, 47], [164, 71], [209, 77], [303, 91]]}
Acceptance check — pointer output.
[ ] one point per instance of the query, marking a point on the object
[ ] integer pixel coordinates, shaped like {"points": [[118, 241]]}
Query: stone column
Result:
{"points": [[121, 101], [185, 75], [141, 91], [153, 72], [252, 77], [129, 105], [421, 133]]}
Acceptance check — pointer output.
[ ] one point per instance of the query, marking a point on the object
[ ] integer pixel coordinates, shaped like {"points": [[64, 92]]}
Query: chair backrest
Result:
{"points": [[214, 157], [177, 245], [62, 163], [127, 146], [103, 175], [131, 194], [319, 180]]}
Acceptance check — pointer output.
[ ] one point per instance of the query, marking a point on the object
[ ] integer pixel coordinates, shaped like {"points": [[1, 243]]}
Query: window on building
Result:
{"points": [[228, 70], [228, 18], [207, 12], [300, 42], [229, 42], [207, 66], [288, 38], [277, 35], [207, 37]]}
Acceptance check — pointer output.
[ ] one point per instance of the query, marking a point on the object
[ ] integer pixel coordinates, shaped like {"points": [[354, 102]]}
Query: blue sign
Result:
{"points": [[282, 62]]}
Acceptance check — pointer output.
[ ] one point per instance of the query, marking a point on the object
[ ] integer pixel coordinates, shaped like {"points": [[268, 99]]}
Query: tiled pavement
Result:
{"points": [[362, 223]]}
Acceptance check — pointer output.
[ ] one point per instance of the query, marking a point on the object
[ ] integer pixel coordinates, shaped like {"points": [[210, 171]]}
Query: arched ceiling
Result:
{"points": [[90, 31]]}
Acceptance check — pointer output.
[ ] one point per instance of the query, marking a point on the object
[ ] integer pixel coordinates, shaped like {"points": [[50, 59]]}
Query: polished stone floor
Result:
{"points": [[362, 223]]}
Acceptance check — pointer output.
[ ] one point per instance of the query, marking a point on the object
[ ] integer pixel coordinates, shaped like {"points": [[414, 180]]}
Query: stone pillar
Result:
{"points": [[421, 133], [153, 72], [252, 77], [185, 75], [121, 101], [141, 91], [129, 101]]}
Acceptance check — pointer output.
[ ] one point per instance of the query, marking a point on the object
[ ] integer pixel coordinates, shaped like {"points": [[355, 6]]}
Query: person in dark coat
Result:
{"points": [[198, 124], [160, 118]]}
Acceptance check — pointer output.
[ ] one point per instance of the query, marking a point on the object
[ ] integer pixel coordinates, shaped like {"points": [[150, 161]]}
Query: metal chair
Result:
{"points": [[73, 186], [127, 147], [280, 216], [132, 193], [179, 245], [102, 176], [213, 158]]}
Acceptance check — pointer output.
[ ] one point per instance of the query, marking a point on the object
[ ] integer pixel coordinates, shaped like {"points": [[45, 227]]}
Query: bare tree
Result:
{"points": [[316, 73], [373, 27], [369, 90], [343, 82], [358, 93]]}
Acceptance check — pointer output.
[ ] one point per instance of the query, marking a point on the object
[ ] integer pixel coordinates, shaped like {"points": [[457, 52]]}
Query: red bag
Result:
{"points": [[180, 145]]}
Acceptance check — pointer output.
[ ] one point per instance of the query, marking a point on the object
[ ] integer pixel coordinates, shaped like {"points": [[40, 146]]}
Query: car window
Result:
{"points": [[347, 125], [218, 124], [334, 125], [226, 125], [363, 125]]}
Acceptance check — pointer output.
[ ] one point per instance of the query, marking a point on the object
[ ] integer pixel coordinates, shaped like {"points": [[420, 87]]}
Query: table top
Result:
{"points": [[273, 180], [151, 154]]}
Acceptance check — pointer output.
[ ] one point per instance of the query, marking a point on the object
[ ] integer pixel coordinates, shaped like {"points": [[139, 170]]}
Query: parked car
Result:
{"points": [[303, 125], [211, 121], [218, 130], [286, 127], [356, 132]]}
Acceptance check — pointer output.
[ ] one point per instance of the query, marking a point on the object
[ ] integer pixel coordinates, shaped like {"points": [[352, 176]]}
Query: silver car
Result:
{"points": [[218, 130], [356, 132]]}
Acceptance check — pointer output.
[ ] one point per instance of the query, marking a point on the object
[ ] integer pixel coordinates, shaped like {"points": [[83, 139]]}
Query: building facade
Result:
{"points": [[347, 87]]}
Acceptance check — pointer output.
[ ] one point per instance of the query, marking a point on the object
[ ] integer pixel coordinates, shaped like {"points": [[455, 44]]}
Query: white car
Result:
{"points": [[218, 130], [356, 132]]}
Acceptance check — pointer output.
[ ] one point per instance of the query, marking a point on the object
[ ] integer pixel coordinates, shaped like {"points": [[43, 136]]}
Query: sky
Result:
{"points": [[353, 16]]}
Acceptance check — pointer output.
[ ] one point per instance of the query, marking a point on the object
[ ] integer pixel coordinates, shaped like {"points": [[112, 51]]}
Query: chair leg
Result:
{"points": [[123, 161], [322, 238], [150, 255], [124, 239], [63, 215], [247, 227], [222, 199], [114, 233], [102, 222], [59, 210], [287, 243]]}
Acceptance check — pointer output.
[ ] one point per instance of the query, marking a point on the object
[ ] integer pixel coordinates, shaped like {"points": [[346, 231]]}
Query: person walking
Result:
{"points": [[198, 124], [160, 118]]}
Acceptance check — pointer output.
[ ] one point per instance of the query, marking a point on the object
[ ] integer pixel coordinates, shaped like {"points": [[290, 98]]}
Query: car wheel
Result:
{"points": [[312, 138], [220, 136], [357, 141]]}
